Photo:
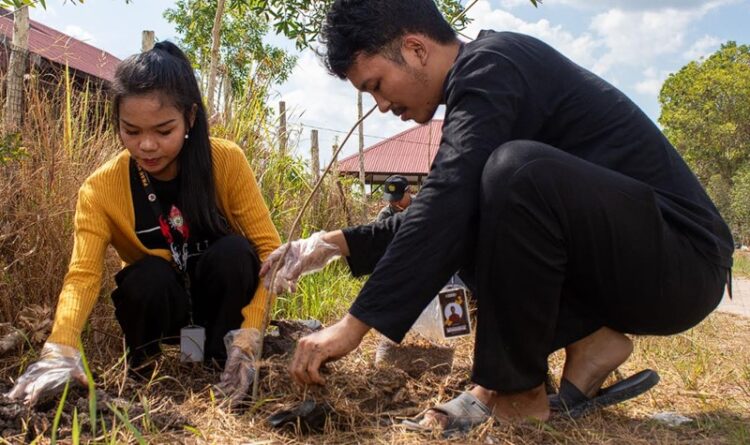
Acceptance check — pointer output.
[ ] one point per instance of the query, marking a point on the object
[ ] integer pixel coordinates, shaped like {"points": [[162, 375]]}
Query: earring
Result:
{"points": [[187, 136]]}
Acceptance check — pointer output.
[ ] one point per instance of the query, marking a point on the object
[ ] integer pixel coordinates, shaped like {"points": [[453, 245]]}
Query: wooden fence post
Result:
{"points": [[148, 39], [314, 156]]}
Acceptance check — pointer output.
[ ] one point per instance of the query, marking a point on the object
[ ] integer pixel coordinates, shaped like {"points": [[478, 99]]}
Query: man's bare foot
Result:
{"points": [[528, 404], [591, 359]]}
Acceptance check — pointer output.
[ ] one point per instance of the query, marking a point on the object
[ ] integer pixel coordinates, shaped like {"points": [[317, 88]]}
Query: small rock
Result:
{"points": [[671, 418]]}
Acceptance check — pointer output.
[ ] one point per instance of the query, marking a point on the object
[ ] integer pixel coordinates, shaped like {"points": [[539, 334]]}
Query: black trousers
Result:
{"points": [[151, 303], [570, 247]]}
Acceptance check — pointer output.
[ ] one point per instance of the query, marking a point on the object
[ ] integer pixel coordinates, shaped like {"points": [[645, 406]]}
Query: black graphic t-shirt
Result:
{"points": [[147, 225]]}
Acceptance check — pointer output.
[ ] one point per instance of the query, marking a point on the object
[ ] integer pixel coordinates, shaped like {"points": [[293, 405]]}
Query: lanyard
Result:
{"points": [[178, 249]]}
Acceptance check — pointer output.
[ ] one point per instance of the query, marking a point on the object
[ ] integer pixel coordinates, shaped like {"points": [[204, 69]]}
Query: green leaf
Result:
{"points": [[58, 414]]}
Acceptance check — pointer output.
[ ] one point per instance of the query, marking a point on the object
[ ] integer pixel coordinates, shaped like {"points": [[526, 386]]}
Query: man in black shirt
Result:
{"points": [[558, 197]]}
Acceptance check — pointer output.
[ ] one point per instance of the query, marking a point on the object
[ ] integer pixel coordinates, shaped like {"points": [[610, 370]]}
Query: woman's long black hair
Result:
{"points": [[166, 70]]}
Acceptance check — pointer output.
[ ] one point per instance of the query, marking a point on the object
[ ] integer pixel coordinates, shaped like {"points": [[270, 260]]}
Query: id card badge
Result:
{"points": [[192, 342], [455, 311]]}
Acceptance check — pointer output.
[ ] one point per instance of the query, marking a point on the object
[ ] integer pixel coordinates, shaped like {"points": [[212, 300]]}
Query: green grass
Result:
{"points": [[741, 265], [324, 296]]}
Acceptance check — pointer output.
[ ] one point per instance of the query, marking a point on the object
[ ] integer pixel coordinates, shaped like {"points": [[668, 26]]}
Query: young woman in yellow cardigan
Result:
{"points": [[184, 213]]}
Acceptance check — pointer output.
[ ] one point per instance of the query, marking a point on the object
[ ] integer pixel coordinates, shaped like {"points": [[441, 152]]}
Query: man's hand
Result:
{"points": [[320, 347], [298, 258], [57, 365]]}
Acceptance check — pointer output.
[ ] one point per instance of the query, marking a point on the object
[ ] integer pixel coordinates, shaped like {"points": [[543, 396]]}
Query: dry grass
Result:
{"points": [[705, 376]]}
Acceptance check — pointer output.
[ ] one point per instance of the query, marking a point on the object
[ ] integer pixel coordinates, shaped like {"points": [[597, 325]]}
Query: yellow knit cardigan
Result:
{"points": [[104, 215]]}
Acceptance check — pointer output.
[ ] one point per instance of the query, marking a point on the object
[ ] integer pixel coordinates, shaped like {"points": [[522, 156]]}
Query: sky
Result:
{"points": [[633, 44]]}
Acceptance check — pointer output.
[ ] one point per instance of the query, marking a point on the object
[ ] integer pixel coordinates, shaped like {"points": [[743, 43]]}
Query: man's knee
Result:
{"points": [[511, 161]]}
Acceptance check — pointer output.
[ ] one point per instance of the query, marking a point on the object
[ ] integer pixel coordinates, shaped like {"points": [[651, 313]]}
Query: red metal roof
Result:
{"points": [[409, 152], [62, 48]]}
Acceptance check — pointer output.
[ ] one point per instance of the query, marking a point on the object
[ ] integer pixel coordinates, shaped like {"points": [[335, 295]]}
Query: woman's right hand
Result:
{"points": [[297, 258], [57, 365]]}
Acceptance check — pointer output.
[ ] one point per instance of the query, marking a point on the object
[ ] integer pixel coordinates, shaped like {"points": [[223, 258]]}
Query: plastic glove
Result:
{"points": [[47, 377], [242, 346], [304, 256]]}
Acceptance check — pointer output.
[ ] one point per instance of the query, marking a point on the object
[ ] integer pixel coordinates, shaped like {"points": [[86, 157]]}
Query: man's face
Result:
{"points": [[405, 89], [402, 203]]}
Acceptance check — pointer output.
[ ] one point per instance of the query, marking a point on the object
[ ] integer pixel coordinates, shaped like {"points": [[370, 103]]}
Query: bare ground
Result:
{"points": [[705, 376]]}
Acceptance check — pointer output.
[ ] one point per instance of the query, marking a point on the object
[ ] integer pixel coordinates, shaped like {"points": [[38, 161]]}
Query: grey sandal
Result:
{"points": [[464, 413]]}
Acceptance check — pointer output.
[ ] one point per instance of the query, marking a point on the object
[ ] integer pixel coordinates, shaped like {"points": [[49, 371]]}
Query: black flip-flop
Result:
{"points": [[571, 401], [308, 415]]}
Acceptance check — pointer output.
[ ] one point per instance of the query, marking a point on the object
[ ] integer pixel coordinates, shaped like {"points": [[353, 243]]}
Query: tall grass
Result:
{"points": [[67, 134], [64, 137]]}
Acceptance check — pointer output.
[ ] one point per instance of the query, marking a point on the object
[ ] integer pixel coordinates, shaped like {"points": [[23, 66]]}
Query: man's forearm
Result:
{"points": [[337, 238]]}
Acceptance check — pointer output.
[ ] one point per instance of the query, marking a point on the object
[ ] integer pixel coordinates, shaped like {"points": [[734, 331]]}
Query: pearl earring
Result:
{"points": [[187, 136]]}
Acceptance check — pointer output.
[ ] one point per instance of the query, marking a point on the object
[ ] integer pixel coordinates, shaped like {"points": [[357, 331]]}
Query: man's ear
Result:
{"points": [[415, 46]]}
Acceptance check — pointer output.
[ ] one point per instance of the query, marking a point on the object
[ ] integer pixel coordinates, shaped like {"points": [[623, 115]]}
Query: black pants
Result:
{"points": [[570, 247], [151, 304]]}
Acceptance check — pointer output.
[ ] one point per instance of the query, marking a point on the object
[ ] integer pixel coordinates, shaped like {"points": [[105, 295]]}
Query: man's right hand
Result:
{"points": [[297, 258], [47, 377], [320, 347]]}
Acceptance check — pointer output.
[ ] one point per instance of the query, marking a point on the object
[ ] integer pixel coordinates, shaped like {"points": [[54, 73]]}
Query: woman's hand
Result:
{"points": [[47, 377], [239, 371], [301, 257], [320, 347]]}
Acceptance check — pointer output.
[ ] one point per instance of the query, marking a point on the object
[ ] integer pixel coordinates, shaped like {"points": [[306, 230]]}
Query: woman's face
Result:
{"points": [[153, 131]]}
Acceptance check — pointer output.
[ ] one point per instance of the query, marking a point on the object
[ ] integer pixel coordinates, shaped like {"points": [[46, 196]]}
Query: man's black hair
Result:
{"points": [[165, 70], [376, 26]]}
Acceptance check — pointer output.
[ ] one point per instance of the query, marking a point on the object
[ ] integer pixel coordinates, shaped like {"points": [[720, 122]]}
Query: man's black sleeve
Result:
{"points": [[367, 243], [482, 95]]}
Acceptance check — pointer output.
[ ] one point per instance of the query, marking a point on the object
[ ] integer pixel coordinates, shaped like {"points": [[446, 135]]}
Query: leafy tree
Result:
{"points": [[301, 20], [706, 115], [740, 204], [706, 112], [243, 54]]}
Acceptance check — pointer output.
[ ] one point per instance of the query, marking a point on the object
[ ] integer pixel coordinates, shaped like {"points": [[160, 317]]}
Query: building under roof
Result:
{"points": [[52, 49], [409, 153]]}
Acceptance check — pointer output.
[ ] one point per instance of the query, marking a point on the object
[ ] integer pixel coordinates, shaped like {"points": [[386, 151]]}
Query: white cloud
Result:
{"points": [[702, 47], [316, 99], [80, 34], [510, 4], [639, 5], [579, 48], [652, 82], [639, 38]]}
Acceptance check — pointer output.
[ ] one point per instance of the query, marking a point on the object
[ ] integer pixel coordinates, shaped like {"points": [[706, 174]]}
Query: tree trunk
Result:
{"points": [[214, 65], [282, 128], [13, 110]]}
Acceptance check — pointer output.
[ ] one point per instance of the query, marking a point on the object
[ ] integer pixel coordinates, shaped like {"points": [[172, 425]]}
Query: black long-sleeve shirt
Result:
{"points": [[504, 87]]}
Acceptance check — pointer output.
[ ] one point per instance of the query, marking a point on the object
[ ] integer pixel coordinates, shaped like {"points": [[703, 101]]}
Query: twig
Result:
{"points": [[275, 269]]}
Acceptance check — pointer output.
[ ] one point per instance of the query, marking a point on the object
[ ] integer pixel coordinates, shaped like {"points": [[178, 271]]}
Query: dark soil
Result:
{"points": [[20, 423]]}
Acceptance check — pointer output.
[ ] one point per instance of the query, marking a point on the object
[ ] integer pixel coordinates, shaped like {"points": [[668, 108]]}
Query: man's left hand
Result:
{"points": [[320, 347]]}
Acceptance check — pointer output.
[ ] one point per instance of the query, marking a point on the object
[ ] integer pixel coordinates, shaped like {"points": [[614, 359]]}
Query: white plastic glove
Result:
{"points": [[242, 346], [47, 377], [304, 256]]}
